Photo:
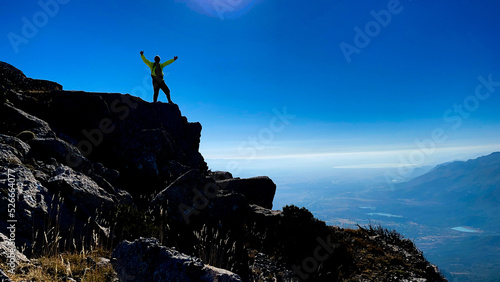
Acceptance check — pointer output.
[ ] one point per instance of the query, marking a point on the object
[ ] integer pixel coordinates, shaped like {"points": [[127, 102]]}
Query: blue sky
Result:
{"points": [[270, 81]]}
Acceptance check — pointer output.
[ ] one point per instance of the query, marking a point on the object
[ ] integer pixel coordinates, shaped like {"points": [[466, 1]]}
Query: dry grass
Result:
{"points": [[59, 259], [90, 266]]}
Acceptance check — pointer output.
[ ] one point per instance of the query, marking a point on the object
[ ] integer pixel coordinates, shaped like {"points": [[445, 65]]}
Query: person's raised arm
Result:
{"points": [[146, 61], [169, 62]]}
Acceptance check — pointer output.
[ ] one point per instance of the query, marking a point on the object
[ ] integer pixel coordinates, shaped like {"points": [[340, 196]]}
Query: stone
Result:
{"points": [[5, 251], [220, 175], [195, 197], [257, 190], [146, 260], [15, 121], [13, 77]]}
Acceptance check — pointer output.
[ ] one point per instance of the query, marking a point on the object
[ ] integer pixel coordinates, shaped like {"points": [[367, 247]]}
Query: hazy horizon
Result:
{"points": [[321, 166]]}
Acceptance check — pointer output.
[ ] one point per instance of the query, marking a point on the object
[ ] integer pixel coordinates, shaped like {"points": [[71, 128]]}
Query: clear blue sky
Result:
{"points": [[241, 61]]}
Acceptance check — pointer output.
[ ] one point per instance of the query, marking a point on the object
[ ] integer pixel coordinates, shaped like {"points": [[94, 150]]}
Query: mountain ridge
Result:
{"points": [[480, 177], [93, 170], [456, 207]]}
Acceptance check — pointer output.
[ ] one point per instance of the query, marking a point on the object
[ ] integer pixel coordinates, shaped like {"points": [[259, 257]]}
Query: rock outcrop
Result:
{"points": [[146, 260], [75, 158], [91, 170], [14, 78], [193, 197], [258, 190], [150, 144]]}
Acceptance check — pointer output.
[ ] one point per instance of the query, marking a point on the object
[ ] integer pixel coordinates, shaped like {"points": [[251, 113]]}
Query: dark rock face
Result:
{"points": [[146, 260], [80, 156], [258, 190], [151, 144], [51, 197]]}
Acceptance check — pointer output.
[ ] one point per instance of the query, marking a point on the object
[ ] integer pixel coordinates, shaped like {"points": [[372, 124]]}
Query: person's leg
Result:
{"points": [[155, 98], [165, 89], [156, 88]]}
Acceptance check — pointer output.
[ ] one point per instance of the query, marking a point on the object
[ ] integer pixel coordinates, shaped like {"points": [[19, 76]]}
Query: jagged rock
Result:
{"points": [[13, 77], [80, 190], [145, 260], [8, 155], [7, 252], [258, 190], [149, 143], [220, 175], [30, 204], [46, 148], [263, 213], [72, 161], [15, 121], [193, 196], [18, 147], [219, 274], [51, 193]]}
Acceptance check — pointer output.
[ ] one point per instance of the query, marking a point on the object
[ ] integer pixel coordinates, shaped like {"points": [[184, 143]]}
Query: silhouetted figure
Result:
{"points": [[157, 75]]}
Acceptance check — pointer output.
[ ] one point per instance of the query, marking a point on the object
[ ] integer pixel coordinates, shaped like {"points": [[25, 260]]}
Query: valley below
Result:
{"points": [[462, 238]]}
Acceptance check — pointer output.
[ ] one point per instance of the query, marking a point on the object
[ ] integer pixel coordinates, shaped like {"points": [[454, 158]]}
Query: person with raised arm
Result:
{"points": [[157, 75]]}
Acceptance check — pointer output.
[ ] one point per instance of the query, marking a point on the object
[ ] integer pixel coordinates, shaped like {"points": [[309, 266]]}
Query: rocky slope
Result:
{"points": [[101, 170]]}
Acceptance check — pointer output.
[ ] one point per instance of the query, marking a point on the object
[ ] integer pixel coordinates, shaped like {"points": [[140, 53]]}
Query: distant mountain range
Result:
{"points": [[453, 212], [478, 177], [465, 192]]}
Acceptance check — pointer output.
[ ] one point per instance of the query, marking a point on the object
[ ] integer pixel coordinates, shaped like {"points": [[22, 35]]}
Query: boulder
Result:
{"points": [[220, 175], [80, 190], [195, 197], [146, 260], [7, 252], [29, 199], [17, 147], [52, 199], [257, 190], [15, 121]]}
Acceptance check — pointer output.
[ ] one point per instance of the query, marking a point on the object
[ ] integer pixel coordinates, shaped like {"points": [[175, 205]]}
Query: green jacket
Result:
{"points": [[152, 66]]}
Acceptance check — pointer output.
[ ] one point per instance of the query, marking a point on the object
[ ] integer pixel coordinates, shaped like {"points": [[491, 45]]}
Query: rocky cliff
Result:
{"points": [[84, 171]]}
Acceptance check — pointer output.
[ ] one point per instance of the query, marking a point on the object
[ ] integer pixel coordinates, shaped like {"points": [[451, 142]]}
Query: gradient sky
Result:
{"points": [[368, 83]]}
